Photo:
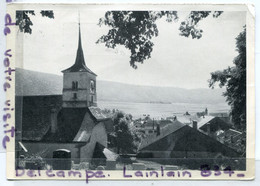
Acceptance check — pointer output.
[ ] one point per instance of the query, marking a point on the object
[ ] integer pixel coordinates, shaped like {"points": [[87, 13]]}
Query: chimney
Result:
{"points": [[158, 130], [194, 124], [206, 111], [208, 128], [54, 126]]}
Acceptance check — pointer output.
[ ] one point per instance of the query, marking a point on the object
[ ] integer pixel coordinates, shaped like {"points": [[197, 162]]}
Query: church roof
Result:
{"points": [[79, 65], [34, 119], [71, 126], [98, 114], [69, 121], [33, 115]]}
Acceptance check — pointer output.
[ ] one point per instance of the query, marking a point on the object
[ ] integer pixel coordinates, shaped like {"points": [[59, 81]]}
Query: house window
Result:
{"points": [[75, 96], [92, 99]]}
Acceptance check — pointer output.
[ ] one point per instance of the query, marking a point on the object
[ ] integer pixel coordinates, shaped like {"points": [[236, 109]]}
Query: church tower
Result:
{"points": [[79, 83]]}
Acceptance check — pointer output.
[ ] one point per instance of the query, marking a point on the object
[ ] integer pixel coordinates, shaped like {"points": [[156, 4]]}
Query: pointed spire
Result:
{"points": [[79, 65], [79, 41], [80, 56]]}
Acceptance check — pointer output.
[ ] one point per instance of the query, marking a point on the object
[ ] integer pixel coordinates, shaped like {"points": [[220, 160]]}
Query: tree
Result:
{"points": [[135, 30], [125, 138], [24, 22], [234, 78]]}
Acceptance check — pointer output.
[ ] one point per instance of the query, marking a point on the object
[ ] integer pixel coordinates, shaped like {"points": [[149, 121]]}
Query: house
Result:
{"points": [[211, 124], [68, 127], [187, 118], [223, 116], [234, 139], [149, 126], [180, 144]]}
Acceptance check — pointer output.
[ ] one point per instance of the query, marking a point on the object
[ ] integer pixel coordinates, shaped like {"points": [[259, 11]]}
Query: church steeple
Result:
{"points": [[79, 65], [79, 82]]}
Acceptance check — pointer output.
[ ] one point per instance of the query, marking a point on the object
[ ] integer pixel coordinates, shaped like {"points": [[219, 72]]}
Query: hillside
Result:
{"points": [[37, 83]]}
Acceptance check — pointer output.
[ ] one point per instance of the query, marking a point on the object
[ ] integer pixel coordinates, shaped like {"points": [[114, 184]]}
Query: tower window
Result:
{"points": [[75, 96], [92, 87], [74, 85]]}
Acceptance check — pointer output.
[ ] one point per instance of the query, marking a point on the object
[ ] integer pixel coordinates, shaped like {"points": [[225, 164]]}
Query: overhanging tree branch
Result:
{"points": [[135, 30]]}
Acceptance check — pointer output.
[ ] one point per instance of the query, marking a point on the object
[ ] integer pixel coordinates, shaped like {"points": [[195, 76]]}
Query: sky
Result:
{"points": [[176, 61]]}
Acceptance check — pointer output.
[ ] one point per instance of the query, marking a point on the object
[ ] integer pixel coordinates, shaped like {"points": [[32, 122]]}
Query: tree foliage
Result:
{"points": [[24, 22], [125, 137], [135, 30], [234, 78]]}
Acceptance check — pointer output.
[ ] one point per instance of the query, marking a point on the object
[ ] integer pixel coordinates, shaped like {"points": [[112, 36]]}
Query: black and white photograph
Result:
{"points": [[103, 88]]}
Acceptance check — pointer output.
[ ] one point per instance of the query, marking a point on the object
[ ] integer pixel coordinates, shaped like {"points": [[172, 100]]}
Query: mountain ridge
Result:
{"points": [[32, 83]]}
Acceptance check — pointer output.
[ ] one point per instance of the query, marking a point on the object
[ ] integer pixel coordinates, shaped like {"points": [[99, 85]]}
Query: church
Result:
{"points": [[63, 128]]}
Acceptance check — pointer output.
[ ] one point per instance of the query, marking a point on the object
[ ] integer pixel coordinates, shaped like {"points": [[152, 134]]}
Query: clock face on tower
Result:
{"points": [[92, 86]]}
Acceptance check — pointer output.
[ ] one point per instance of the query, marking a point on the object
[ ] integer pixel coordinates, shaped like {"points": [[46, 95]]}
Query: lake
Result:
{"points": [[158, 110]]}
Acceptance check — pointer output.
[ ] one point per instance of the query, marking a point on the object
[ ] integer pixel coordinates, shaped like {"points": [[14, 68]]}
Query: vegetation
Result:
{"points": [[234, 78], [135, 30], [24, 22], [126, 139]]}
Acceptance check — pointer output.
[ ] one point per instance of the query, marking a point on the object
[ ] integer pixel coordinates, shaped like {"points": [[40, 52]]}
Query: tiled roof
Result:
{"points": [[98, 114], [71, 126], [33, 115], [176, 125], [215, 123], [226, 136], [83, 135], [231, 132], [69, 121], [204, 120], [234, 139], [220, 114], [187, 119], [187, 138]]}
